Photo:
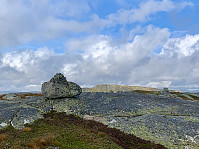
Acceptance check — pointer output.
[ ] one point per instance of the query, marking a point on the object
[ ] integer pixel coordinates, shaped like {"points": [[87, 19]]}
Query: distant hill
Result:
{"points": [[117, 88]]}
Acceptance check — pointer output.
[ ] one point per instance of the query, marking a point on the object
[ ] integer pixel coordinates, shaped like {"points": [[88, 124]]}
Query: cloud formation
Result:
{"points": [[103, 61], [23, 21], [145, 55]]}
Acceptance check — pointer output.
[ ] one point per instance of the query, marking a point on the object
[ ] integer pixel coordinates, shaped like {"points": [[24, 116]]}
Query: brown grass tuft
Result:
{"points": [[27, 129], [2, 96], [23, 96], [43, 142], [37, 143], [3, 137]]}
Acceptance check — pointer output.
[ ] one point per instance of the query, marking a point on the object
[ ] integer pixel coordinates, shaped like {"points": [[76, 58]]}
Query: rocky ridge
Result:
{"points": [[116, 88]]}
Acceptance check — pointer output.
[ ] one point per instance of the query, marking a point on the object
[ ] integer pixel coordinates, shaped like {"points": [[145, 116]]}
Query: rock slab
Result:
{"points": [[59, 87]]}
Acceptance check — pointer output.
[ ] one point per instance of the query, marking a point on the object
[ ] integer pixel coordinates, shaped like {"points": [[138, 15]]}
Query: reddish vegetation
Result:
{"points": [[23, 96], [196, 98], [185, 98], [37, 143], [2, 96], [27, 129], [3, 137]]}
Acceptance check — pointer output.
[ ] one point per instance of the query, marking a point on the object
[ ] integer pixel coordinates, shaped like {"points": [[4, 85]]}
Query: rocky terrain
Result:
{"points": [[117, 88], [162, 117]]}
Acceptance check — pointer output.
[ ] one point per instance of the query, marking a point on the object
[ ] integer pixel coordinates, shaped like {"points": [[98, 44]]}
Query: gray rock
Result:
{"points": [[11, 96], [19, 112], [59, 87], [166, 90], [50, 147]]}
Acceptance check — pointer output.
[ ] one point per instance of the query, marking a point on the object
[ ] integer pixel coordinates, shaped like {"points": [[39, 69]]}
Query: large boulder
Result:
{"points": [[59, 87], [166, 90]]}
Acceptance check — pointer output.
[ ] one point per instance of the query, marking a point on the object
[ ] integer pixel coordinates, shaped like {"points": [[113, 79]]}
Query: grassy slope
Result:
{"points": [[70, 131]]}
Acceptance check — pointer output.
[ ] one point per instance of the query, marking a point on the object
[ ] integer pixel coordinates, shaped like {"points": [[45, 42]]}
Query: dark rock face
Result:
{"points": [[59, 87]]}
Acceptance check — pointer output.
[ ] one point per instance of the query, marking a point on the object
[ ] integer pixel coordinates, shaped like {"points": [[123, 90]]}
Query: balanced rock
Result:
{"points": [[59, 87], [166, 90]]}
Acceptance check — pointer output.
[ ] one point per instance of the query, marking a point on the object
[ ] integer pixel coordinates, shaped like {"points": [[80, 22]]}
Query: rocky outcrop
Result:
{"points": [[59, 87], [117, 88]]}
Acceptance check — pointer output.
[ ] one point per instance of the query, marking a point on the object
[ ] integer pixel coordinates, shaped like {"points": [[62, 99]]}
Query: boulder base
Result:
{"points": [[59, 87]]}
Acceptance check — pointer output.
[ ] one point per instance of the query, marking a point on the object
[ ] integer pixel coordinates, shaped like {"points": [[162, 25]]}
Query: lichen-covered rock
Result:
{"points": [[59, 87], [11, 96], [117, 88], [166, 90]]}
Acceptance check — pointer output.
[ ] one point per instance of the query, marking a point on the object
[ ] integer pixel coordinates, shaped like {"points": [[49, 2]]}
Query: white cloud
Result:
{"points": [[184, 46], [23, 60], [84, 43], [159, 84], [143, 12], [103, 61], [151, 7], [100, 62], [20, 69], [94, 59], [70, 70], [24, 21]]}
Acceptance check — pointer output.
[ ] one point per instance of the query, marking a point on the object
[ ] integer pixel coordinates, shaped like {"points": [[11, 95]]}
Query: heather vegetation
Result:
{"points": [[69, 131]]}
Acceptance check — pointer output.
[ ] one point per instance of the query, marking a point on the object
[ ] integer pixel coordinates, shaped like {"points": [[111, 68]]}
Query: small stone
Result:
{"points": [[166, 90], [59, 87], [50, 147]]}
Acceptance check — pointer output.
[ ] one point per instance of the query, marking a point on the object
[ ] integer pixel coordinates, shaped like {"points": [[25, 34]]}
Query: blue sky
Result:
{"points": [[152, 43]]}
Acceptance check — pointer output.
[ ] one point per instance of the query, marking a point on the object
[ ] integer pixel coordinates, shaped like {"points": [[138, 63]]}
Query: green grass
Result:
{"points": [[69, 132], [147, 92]]}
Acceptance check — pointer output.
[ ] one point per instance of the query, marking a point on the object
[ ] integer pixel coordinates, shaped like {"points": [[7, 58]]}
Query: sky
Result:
{"points": [[152, 43]]}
